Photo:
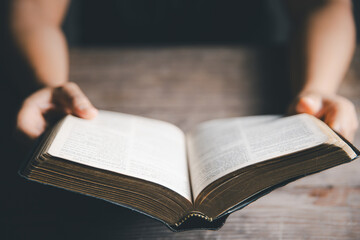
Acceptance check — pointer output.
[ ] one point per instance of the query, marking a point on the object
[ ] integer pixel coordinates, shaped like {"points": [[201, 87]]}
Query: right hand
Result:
{"points": [[68, 99], [336, 111]]}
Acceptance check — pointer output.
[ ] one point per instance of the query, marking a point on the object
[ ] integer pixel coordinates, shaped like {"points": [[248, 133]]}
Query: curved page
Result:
{"points": [[135, 146]]}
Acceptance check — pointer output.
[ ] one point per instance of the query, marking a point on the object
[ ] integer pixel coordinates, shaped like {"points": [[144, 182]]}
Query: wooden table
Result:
{"points": [[188, 85]]}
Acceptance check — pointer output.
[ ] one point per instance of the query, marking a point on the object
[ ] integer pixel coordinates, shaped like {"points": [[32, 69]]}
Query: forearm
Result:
{"points": [[323, 43], [38, 35]]}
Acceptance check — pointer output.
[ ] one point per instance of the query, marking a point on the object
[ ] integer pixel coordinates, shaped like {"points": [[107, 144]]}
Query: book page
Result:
{"points": [[219, 147], [135, 146]]}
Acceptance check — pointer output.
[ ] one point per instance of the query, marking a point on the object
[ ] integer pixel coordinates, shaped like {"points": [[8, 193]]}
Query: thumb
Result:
{"points": [[309, 104], [74, 101]]}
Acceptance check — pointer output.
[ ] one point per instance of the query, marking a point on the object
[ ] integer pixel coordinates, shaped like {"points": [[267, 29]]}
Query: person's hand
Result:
{"points": [[336, 111], [32, 118]]}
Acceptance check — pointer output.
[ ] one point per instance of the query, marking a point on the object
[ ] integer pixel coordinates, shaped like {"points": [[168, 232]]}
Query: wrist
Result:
{"points": [[316, 91], [53, 83], [319, 87]]}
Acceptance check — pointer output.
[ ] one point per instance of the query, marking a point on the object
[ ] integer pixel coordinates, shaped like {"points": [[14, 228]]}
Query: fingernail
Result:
{"points": [[89, 112], [82, 107]]}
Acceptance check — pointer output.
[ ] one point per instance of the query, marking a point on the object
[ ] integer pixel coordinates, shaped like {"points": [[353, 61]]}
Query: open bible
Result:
{"points": [[186, 180]]}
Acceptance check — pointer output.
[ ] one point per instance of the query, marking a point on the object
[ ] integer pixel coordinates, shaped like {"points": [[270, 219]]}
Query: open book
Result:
{"points": [[187, 181]]}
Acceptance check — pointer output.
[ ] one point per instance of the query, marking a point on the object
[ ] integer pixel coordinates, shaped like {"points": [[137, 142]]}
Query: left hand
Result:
{"points": [[35, 114], [336, 111]]}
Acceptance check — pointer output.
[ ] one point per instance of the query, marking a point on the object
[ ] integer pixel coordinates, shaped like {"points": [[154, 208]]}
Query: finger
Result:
{"points": [[338, 124], [30, 120], [74, 101], [341, 117], [310, 105]]}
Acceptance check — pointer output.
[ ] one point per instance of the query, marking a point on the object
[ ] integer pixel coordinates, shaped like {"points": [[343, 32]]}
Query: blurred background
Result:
{"points": [[156, 22], [175, 22], [169, 22]]}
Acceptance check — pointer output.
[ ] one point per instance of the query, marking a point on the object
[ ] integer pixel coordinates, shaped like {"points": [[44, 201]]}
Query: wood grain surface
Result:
{"points": [[188, 85]]}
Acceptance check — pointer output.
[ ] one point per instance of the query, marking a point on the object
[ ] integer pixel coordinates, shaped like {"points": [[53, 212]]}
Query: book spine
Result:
{"points": [[209, 219]]}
